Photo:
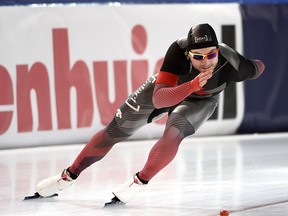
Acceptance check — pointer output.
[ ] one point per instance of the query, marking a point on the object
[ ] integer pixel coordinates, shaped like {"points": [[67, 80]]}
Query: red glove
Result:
{"points": [[198, 82]]}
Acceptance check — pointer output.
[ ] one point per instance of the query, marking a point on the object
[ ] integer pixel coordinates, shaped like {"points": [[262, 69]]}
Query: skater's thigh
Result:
{"points": [[135, 111]]}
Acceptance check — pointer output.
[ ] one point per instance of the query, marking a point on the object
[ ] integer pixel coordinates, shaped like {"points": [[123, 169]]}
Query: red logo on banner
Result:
{"points": [[69, 75]]}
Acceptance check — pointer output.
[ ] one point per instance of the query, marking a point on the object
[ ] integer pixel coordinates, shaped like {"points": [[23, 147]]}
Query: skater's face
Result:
{"points": [[204, 59]]}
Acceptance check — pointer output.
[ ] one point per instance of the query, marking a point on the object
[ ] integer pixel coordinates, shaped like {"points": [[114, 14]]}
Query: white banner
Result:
{"points": [[64, 70]]}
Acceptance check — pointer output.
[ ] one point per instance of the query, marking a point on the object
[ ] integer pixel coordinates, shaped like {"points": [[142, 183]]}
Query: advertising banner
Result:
{"points": [[64, 70]]}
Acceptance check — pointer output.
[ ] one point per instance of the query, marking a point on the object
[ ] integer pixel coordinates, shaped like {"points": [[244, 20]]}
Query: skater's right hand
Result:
{"points": [[198, 82]]}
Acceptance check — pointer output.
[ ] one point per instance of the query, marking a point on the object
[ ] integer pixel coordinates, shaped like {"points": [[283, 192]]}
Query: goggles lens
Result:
{"points": [[199, 56]]}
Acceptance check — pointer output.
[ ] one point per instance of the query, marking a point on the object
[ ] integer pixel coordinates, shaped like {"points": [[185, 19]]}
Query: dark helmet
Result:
{"points": [[201, 36]]}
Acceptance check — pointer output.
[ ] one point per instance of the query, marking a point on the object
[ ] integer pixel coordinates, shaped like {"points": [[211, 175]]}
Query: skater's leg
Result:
{"points": [[97, 147], [183, 121], [164, 151], [160, 155]]}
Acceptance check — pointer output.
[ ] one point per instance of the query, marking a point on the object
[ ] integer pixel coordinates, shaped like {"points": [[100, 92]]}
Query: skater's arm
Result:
{"points": [[244, 68], [167, 93]]}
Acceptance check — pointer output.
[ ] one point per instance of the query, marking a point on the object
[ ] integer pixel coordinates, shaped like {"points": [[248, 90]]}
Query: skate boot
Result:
{"points": [[127, 191], [52, 185]]}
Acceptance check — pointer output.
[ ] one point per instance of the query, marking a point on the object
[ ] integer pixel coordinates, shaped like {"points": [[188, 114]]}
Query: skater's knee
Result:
{"points": [[179, 124], [116, 132]]}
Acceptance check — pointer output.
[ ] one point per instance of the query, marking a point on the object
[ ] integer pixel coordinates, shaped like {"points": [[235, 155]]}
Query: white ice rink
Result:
{"points": [[246, 175]]}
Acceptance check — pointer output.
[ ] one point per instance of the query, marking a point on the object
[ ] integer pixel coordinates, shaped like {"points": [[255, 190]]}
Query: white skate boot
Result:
{"points": [[52, 185], [127, 191]]}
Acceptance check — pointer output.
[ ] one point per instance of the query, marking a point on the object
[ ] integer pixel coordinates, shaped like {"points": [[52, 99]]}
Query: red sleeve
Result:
{"points": [[166, 93], [167, 78]]}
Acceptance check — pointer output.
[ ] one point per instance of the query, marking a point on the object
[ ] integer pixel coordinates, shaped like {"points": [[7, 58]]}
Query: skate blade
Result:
{"points": [[38, 196], [115, 202]]}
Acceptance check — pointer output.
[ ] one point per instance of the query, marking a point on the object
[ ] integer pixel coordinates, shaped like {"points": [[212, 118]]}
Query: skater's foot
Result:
{"points": [[128, 190], [52, 185]]}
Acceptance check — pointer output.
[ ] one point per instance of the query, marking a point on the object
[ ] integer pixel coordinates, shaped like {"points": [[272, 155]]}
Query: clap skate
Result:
{"points": [[50, 186], [126, 192]]}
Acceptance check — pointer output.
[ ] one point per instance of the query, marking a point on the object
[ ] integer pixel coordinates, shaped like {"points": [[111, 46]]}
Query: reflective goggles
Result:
{"points": [[199, 56]]}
